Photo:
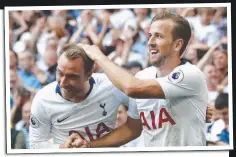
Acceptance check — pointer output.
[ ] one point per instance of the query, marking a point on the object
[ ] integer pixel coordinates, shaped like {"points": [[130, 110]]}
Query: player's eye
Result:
{"points": [[158, 35], [59, 72], [74, 77]]}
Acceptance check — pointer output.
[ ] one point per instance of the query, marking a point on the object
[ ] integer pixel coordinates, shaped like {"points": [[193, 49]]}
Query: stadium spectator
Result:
{"points": [[212, 82], [21, 96], [123, 53], [121, 115], [121, 119], [205, 33], [22, 138], [142, 18], [218, 131], [13, 60], [133, 67], [29, 73]]}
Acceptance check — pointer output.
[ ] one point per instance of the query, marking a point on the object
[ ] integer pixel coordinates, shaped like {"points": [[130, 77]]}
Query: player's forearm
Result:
{"points": [[118, 76], [127, 83], [117, 137]]}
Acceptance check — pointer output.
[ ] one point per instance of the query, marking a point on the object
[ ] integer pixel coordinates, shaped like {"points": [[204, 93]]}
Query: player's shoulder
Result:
{"points": [[48, 90], [147, 73], [103, 83], [43, 96], [187, 71], [101, 78], [190, 69]]}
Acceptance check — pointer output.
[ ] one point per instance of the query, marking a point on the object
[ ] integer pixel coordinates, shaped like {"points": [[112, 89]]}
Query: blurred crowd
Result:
{"points": [[35, 38]]}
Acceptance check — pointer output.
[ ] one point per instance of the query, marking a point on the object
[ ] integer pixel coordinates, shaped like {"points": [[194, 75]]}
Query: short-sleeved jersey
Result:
{"points": [[54, 117], [179, 119]]}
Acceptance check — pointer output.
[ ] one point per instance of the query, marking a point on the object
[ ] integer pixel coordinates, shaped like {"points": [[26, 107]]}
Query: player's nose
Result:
{"points": [[151, 41], [63, 82]]}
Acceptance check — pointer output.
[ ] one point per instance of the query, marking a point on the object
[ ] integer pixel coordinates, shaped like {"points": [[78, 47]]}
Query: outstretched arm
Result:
{"points": [[123, 80]]}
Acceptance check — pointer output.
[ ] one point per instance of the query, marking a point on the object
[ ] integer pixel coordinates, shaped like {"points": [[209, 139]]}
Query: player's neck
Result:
{"points": [[168, 65], [81, 96]]}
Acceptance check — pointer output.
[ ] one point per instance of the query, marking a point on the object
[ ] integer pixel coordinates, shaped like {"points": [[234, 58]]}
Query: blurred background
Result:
{"points": [[36, 36]]}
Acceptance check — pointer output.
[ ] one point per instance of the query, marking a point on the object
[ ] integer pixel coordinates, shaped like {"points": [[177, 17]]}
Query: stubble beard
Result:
{"points": [[67, 94], [159, 62]]}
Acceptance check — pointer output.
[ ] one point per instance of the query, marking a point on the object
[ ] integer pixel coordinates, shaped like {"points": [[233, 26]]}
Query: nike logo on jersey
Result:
{"points": [[60, 120]]}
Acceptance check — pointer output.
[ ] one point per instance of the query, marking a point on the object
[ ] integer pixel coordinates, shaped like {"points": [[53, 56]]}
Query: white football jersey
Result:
{"points": [[54, 117], [179, 119]]}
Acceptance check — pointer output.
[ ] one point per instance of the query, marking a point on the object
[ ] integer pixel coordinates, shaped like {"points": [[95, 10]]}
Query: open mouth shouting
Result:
{"points": [[154, 52]]}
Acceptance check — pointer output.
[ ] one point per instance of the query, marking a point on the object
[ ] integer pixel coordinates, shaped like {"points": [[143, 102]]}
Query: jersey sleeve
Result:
{"points": [[40, 125], [181, 83], [133, 110], [129, 102], [122, 97]]}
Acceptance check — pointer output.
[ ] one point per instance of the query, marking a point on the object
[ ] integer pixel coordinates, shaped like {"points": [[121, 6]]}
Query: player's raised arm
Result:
{"points": [[126, 82]]}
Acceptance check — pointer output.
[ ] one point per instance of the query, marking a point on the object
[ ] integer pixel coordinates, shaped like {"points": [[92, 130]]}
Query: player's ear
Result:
{"points": [[178, 44], [89, 74], [94, 67]]}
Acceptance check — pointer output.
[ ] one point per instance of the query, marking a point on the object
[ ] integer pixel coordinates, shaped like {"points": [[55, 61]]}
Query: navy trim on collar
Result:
{"points": [[183, 61], [91, 82], [58, 90]]}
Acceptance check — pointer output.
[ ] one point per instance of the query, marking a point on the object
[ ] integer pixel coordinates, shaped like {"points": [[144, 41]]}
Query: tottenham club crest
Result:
{"points": [[176, 76], [33, 121], [104, 113]]}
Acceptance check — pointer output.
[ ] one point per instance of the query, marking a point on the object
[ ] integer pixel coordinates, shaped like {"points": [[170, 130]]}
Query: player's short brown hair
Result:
{"points": [[73, 51], [181, 30]]}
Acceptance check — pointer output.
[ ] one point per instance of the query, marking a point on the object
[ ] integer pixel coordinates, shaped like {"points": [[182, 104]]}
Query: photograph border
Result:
{"points": [[126, 149]]}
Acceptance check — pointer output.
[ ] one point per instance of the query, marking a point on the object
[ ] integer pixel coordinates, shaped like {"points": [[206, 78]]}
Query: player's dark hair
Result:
{"points": [[222, 101], [73, 51], [181, 30]]}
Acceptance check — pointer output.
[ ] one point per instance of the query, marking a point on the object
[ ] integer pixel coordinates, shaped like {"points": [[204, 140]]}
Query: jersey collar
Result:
{"points": [[182, 62]]}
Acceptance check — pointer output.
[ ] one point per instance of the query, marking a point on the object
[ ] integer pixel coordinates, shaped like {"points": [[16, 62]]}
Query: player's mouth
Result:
{"points": [[154, 52], [67, 89]]}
